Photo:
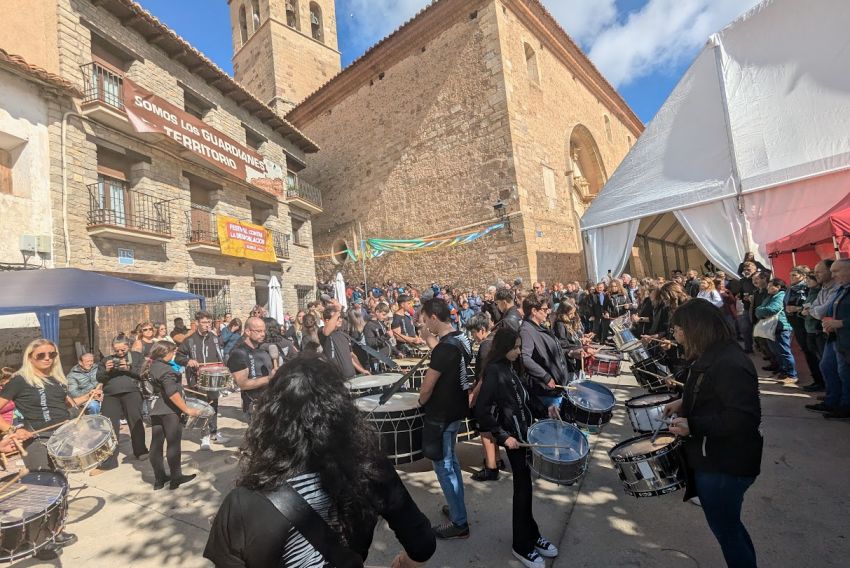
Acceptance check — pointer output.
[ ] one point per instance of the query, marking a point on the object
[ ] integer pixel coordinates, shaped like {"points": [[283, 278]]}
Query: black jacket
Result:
{"points": [[721, 403], [120, 381], [542, 358], [165, 383], [203, 349], [659, 321], [569, 341], [510, 319], [377, 337], [504, 408], [692, 287], [597, 308]]}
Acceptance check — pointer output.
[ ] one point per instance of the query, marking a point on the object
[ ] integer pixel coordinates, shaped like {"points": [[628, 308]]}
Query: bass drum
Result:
{"points": [[32, 518], [398, 423], [364, 385]]}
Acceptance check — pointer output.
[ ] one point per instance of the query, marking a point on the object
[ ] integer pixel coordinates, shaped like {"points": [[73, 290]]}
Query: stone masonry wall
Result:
{"points": [[543, 115], [161, 175], [424, 149]]}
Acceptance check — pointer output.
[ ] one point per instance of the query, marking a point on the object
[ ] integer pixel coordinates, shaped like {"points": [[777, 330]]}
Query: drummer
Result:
{"points": [[568, 332], [40, 393], [718, 417], [377, 336], [251, 365], [542, 357], [166, 407], [505, 409], [480, 328], [198, 350]]}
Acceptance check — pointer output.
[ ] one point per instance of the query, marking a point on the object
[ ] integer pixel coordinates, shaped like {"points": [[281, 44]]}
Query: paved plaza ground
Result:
{"points": [[796, 511]]}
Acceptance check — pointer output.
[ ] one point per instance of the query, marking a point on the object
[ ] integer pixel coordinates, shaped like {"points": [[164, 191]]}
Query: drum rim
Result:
{"points": [[50, 443], [645, 456], [656, 492], [629, 402], [559, 423], [561, 481]]}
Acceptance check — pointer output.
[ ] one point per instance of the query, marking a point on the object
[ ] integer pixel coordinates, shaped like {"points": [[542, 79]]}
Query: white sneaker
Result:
{"points": [[545, 548], [220, 438], [205, 443], [695, 501], [530, 560]]}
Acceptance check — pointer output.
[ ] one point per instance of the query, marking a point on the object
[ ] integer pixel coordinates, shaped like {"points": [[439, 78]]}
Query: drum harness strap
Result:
{"points": [[526, 418]]}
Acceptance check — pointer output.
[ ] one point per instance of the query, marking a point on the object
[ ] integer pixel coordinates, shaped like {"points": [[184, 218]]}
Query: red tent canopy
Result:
{"points": [[814, 241]]}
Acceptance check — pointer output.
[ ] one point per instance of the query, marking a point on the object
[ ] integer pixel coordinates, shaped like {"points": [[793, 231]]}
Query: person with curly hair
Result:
{"points": [[307, 434]]}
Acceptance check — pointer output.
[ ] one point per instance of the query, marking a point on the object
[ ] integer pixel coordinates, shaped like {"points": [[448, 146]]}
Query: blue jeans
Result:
{"points": [[93, 407], [836, 376], [781, 348], [449, 475], [721, 496]]}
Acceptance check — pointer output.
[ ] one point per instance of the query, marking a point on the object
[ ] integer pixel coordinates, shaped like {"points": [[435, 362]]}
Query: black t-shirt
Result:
{"points": [[40, 407], [449, 400], [337, 348], [257, 361], [165, 382], [405, 324]]}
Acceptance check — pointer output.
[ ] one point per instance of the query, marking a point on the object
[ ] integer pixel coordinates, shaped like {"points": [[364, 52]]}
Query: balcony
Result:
{"points": [[202, 230], [281, 244], [103, 96], [118, 212], [303, 195]]}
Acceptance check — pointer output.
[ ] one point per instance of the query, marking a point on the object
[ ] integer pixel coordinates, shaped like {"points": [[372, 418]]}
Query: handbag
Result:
{"points": [[432, 439], [766, 328], [313, 527]]}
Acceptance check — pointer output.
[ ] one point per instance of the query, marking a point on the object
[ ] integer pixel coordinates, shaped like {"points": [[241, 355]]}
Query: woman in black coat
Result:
{"points": [[504, 408], [718, 417]]}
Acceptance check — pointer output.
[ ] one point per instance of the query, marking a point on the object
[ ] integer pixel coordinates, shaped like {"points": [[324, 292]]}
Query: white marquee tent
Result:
{"points": [[751, 145]]}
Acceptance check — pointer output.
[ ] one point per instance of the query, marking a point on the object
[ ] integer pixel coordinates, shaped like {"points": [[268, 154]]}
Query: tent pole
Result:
{"points": [[736, 174], [363, 258]]}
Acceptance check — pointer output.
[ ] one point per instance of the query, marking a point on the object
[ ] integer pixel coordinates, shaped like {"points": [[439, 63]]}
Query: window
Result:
{"points": [[253, 139], [196, 105], [305, 296], [531, 64], [629, 138], [5, 172], [298, 236], [549, 186], [216, 293], [255, 14], [608, 129], [243, 25], [292, 14], [316, 22], [112, 186]]}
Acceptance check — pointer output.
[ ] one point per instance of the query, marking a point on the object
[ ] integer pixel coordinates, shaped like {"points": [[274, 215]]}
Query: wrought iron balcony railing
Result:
{"points": [[201, 226], [113, 203], [298, 189], [102, 85]]}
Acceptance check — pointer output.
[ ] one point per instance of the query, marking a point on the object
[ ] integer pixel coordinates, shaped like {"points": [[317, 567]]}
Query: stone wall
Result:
{"points": [[546, 101], [424, 149]]}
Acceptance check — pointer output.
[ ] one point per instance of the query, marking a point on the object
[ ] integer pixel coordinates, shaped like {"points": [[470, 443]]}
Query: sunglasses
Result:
{"points": [[42, 356], [147, 329]]}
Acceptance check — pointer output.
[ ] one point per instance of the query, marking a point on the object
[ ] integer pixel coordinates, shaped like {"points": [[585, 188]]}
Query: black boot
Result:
{"points": [[486, 474], [178, 481]]}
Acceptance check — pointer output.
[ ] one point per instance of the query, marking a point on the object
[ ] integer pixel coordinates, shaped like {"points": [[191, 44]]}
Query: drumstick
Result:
{"points": [[83, 411], [13, 492], [15, 478], [657, 376], [670, 341], [205, 395], [46, 428], [4, 461], [20, 447]]}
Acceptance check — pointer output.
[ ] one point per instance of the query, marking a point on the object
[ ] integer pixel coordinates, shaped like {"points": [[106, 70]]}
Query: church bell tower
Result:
{"points": [[283, 50]]}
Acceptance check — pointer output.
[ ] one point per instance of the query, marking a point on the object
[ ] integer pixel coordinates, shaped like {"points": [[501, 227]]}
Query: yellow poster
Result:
{"points": [[245, 240]]}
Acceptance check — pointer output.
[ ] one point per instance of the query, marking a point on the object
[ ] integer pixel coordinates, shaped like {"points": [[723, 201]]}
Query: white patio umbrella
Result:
{"points": [[275, 300], [339, 290]]}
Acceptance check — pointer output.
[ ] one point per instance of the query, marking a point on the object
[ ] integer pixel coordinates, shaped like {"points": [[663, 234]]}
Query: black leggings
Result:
{"points": [[166, 427], [129, 406]]}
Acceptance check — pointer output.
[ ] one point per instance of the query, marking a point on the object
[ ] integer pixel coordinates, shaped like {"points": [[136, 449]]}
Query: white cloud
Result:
{"points": [[662, 34], [375, 19], [583, 19]]}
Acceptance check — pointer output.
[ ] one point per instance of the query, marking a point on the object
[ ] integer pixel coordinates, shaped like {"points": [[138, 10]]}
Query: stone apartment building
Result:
{"points": [[165, 170], [474, 111]]}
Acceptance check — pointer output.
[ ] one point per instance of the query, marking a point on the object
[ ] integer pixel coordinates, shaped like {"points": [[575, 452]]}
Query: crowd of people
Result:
{"points": [[501, 356]]}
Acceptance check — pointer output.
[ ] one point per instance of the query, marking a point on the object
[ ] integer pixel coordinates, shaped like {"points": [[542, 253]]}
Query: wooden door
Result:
{"points": [[113, 319]]}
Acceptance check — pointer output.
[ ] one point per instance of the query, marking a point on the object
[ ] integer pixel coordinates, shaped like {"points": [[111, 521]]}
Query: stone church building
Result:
{"points": [[472, 112]]}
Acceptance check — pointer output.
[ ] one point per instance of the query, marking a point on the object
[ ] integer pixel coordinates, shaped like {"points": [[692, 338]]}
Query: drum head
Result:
{"points": [[642, 447], [557, 433], [606, 357], [372, 381], [645, 400], [206, 411], [80, 437], [44, 488], [407, 362], [592, 396], [398, 402]]}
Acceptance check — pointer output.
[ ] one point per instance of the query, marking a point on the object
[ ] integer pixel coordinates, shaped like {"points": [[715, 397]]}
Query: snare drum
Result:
{"points": [[405, 365], [214, 379], [32, 518], [604, 364], [562, 465], [206, 412], [399, 425], [84, 444], [646, 412], [652, 374], [365, 385], [589, 404], [647, 469], [643, 352]]}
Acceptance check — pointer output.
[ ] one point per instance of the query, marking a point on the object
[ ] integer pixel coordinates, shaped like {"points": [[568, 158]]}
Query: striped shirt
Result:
{"points": [[299, 553]]}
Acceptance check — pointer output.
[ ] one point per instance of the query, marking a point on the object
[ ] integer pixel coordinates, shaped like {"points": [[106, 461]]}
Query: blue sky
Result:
{"points": [[641, 46]]}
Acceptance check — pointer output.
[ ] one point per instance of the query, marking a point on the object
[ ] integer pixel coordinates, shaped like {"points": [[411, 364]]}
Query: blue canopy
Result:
{"points": [[45, 292]]}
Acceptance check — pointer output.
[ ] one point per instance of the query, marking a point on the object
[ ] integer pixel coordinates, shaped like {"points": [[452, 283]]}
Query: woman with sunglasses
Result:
{"points": [[506, 410], [145, 340], [161, 332], [40, 393]]}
